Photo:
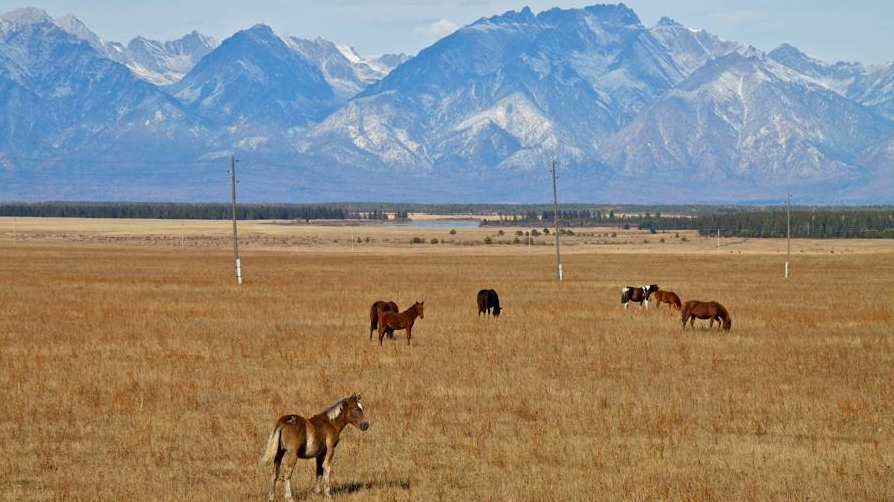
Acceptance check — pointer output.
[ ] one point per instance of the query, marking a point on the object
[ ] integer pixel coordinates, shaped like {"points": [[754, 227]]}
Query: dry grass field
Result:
{"points": [[141, 372]]}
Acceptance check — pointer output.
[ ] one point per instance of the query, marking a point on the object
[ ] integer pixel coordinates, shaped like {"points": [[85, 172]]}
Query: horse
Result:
{"points": [[295, 437], [668, 297], [637, 294], [706, 310], [487, 300], [375, 311], [404, 320]]}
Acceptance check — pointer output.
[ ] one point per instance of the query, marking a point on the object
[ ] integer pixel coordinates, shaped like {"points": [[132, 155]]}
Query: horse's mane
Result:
{"points": [[413, 307], [721, 310], [334, 411]]}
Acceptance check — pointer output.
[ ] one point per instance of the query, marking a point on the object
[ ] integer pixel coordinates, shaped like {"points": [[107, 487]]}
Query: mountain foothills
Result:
{"points": [[660, 114]]}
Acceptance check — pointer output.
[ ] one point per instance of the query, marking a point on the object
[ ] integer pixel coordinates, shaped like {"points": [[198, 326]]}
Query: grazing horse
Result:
{"points": [[637, 295], [404, 320], [487, 300], [668, 297], [706, 310], [375, 311], [296, 437]]}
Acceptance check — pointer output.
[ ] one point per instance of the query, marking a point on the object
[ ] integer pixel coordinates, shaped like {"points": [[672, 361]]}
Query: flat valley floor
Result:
{"points": [[137, 370]]}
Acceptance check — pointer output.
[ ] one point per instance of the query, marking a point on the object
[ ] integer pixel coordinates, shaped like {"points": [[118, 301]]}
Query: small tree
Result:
{"points": [[452, 231], [488, 240], [500, 232], [434, 240]]}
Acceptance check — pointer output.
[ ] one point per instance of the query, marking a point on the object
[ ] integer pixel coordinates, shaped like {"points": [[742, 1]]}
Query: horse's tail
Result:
{"points": [[272, 446], [677, 302], [373, 317]]}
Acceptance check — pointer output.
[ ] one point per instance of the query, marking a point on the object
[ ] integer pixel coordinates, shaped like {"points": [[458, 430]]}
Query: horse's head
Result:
{"points": [[354, 411], [728, 323], [419, 306]]}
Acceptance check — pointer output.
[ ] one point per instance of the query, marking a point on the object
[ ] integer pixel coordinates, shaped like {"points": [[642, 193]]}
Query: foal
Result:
{"points": [[404, 320], [375, 311], [296, 437]]}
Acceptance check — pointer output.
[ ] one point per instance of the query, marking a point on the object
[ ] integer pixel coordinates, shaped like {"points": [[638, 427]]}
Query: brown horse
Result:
{"points": [[404, 320], [296, 437], [706, 310], [668, 297], [375, 311]]}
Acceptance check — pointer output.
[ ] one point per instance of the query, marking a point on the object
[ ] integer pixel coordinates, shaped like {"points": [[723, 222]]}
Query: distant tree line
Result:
{"points": [[198, 211], [816, 223]]}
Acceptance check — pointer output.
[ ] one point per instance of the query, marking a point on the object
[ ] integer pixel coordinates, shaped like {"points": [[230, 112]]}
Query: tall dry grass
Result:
{"points": [[134, 373]]}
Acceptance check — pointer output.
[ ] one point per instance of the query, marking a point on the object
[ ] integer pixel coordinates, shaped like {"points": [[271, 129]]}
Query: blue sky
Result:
{"points": [[831, 30]]}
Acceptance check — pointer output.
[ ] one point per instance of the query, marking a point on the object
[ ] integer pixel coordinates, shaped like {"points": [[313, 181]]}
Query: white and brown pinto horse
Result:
{"points": [[296, 437], [706, 310], [637, 294]]}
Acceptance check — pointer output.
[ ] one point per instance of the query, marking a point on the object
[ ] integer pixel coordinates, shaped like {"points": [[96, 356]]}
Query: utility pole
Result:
{"points": [[718, 238], [15, 230], [236, 263], [788, 225], [556, 221], [182, 224]]}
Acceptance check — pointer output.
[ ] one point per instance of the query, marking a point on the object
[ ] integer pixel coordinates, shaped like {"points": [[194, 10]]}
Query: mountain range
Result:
{"points": [[632, 113]]}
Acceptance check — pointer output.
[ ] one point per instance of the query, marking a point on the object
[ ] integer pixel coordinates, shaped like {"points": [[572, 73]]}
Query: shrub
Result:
{"points": [[488, 240], [545, 231], [519, 232], [434, 240], [614, 234], [516, 240], [417, 240], [501, 232], [535, 232], [452, 231], [627, 226], [661, 239], [684, 239]]}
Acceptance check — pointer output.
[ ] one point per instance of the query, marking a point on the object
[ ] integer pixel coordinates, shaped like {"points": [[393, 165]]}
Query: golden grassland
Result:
{"points": [[141, 372]]}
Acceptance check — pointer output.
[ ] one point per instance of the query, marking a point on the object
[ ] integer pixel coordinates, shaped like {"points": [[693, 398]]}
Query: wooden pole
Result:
{"points": [[788, 225], [556, 221], [236, 263]]}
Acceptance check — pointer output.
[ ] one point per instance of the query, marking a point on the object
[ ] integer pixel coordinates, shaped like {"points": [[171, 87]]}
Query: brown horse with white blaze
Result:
{"points": [[669, 297], [706, 310], [404, 320], [296, 437]]}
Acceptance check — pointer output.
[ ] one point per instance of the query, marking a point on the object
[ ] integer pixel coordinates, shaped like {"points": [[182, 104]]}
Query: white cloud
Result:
{"points": [[437, 30]]}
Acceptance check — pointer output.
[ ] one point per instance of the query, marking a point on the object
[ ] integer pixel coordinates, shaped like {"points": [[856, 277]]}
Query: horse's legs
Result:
{"points": [[409, 333], [272, 492], [381, 334], [291, 457], [692, 322], [318, 483], [711, 323], [327, 469]]}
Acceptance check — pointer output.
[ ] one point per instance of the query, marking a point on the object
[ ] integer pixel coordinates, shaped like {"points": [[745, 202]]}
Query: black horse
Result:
{"points": [[487, 301]]}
